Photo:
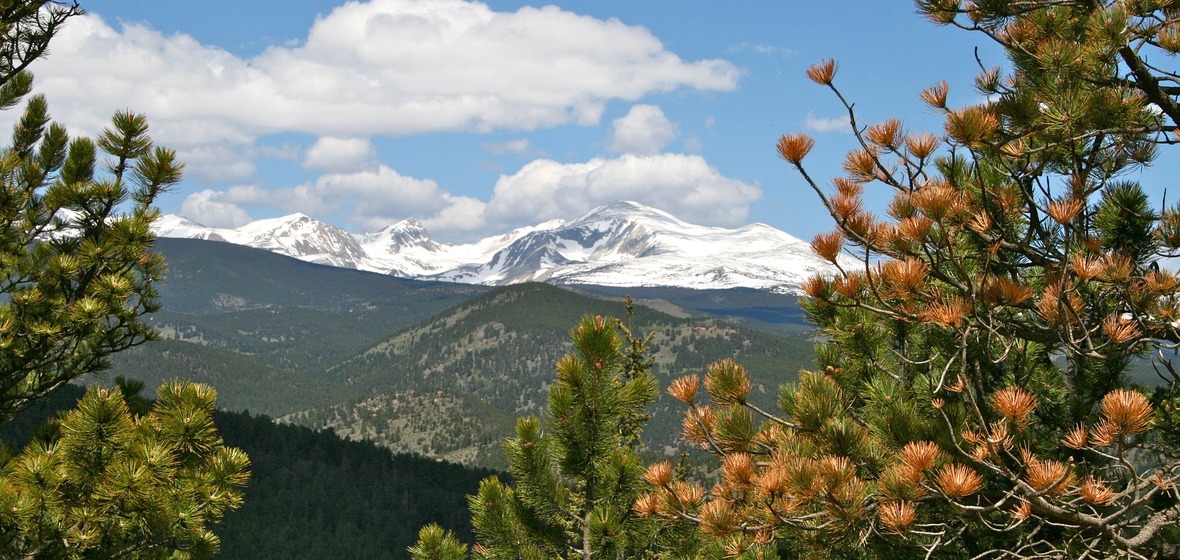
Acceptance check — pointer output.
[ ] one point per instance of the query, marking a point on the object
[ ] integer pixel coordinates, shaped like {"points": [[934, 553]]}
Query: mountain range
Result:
{"points": [[619, 244], [435, 368]]}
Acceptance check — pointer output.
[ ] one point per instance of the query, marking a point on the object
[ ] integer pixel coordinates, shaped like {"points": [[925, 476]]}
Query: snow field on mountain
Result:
{"points": [[620, 244]]}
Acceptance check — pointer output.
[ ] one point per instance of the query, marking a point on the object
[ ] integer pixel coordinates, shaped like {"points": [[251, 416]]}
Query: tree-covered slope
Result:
{"points": [[262, 327], [243, 381], [313, 494], [209, 277], [499, 350]]}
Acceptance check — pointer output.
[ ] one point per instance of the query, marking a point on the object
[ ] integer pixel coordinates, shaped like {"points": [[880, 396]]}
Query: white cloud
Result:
{"points": [[213, 150], [372, 198], [644, 130], [209, 208], [379, 191], [834, 124], [340, 154], [390, 67], [380, 67], [684, 185], [248, 195], [461, 217]]}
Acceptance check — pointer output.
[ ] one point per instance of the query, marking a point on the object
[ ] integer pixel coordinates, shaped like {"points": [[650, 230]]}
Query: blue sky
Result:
{"points": [[477, 118]]}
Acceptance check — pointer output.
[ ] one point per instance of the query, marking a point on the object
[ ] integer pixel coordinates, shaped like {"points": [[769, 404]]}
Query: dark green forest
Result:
{"points": [[313, 494]]}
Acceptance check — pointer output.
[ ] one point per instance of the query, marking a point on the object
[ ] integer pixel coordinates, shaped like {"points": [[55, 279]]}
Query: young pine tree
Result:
{"points": [[974, 395], [576, 474], [108, 482], [75, 245], [77, 274]]}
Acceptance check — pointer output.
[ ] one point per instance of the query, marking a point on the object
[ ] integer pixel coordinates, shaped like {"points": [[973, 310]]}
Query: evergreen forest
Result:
{"points": [[313, 494], [987, 372]]}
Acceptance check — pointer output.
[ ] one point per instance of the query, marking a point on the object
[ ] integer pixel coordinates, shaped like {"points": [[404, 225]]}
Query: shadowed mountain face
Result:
{"points": [[262, 327], [210, 276], [623, 244]]}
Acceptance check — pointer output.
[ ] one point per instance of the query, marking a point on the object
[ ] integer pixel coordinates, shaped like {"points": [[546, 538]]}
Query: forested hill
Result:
{"points": [[453, 386], [262, 327], [315, 495]]}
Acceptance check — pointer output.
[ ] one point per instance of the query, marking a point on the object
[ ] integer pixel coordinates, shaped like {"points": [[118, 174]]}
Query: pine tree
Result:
{"points": [[973, 396], [107, 482], [77, 268], [76, 278], [575, 475]]}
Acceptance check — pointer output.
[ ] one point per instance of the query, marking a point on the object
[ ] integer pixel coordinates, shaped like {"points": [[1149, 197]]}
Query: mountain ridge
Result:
{"points": [[619, 244]]}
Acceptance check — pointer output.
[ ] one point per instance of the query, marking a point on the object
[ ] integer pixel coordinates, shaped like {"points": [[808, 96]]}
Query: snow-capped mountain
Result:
{"points": [[405, 249], [621, 244], [295, 235]]}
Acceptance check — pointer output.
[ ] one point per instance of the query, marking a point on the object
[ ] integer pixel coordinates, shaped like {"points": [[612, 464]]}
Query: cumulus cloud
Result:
{"points": [[217, 163], [684, 185], [330, 153], [392, 67], [372, 198], [376, 192], [398, 67], [462, 217], [644, 130], [834, 124], [209, 208]]}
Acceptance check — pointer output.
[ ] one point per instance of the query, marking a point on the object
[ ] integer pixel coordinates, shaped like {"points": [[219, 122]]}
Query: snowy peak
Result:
{"points": [[629, 211], [296, 235], [629, 244], [620, 244], [403, 235], [606, 234], [171, 225], [302, 237]]}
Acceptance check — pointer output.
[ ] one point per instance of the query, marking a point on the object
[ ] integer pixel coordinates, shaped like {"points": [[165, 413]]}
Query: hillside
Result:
{"points": [[772, 312], [464, 376], [314, 495], [262, 327], [211, 276]]}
